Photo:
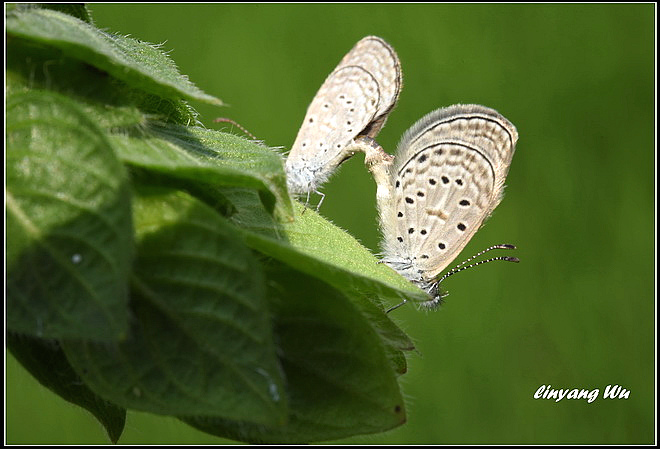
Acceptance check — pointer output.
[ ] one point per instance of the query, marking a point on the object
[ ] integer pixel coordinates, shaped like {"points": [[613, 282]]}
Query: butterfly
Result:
{"points": [[354, 100], [444, 182]]}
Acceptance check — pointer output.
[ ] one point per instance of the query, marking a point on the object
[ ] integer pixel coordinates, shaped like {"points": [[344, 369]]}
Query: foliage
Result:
{"points": [[156, 265]]}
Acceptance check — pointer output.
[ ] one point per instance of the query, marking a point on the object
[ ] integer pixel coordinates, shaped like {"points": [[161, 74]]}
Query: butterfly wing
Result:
{"points": [[354, 100], [447, 178], [377, 57]]}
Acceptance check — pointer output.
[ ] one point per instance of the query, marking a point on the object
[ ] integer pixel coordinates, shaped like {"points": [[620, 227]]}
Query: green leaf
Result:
{"points": [[45, 360], [392, 337], [209, 157], [69, 234], [255, 326], [111, 104], [201, 337], [339, 379], [315, 246], [78, 10], [207, 193], [137, 63], [195, 154]]}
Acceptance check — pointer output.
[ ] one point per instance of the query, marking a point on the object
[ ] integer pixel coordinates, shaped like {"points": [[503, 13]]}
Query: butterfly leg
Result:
{"points": [[396, 307], [306, 203], [318, 206]]}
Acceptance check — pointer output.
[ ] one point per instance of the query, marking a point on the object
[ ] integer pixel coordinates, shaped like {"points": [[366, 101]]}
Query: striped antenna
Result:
{"points": [[228, 120], [461, 267], [458, 268]]}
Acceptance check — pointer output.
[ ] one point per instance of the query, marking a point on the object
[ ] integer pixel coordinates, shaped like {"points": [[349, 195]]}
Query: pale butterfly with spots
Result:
{"points": [[354, 100], [447, 177]]}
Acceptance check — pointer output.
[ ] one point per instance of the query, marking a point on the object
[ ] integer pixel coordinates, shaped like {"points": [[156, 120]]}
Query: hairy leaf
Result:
{"points": [[200, 340], [208, 157], [69, 234], [339, 379], [45, 360], [137, 63]]}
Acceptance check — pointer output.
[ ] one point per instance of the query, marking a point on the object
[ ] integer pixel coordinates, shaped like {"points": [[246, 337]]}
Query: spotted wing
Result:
{"points": [[355, 99], [378, 58], [448, 177]]}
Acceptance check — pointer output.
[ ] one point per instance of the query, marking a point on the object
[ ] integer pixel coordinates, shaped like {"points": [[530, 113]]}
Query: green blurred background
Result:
{"points": [[577, 312]]}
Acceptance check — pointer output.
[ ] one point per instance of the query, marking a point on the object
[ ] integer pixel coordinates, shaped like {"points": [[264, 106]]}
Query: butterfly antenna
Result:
{"points": [[460, 267], [228, 120]]}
